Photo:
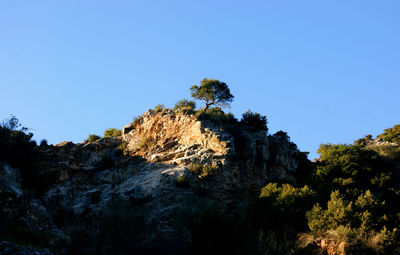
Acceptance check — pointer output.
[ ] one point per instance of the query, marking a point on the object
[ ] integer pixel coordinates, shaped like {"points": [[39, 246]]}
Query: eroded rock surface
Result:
{"points": [[88, 178]]}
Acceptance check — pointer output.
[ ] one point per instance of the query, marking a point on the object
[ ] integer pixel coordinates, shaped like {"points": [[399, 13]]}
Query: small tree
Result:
{"points": [[213, 92]]}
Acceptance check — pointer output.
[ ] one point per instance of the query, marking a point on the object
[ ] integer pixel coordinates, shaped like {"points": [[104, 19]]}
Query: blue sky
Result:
{"points": [[323, 71]]}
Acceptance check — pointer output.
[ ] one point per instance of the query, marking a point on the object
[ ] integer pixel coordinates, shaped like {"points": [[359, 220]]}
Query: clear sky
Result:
{"points": [[323, 71]]}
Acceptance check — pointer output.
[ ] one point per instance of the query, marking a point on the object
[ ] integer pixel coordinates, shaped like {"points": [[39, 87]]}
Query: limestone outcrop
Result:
{"points": [[160, 150]]}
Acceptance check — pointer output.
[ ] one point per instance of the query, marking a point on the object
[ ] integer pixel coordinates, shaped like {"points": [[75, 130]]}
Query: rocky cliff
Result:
{"points": [[163, 162]]}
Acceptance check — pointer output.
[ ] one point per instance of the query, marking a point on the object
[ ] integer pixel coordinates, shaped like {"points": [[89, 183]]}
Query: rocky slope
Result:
{"points": [[164, 162]]}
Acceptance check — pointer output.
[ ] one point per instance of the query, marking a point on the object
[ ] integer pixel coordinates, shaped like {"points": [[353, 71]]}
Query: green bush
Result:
{"points": [[283, 205], [185, 106], [196, 168], [255, 120], [337, 214], [112, 132], [216, 114], [348, 168], [391, 134], [358, 222], [92, 138], [363, 141]]}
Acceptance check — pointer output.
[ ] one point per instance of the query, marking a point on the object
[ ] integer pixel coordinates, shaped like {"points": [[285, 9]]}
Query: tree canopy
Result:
{"points": [[213, 92]]}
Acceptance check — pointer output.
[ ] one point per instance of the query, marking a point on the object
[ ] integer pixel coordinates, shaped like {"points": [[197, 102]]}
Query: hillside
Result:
{"points": [[170, 161], [176, 182]]}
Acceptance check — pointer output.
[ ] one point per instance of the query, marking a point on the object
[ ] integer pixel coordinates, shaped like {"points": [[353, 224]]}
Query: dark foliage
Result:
{"points": [[254, 120], [19, 150], [92, 138], [185, 106], [213, 92], [216, 114]]}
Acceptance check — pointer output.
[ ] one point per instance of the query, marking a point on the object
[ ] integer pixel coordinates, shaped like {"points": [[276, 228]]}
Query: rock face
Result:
{"points": [[8, 248], [176, 139], [161, 150], [10, 192]]}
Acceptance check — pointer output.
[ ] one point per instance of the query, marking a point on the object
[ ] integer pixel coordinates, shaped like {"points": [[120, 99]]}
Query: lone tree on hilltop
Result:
{"points": [[213, 92]]}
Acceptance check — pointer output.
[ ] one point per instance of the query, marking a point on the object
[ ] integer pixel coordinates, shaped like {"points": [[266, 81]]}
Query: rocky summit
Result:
{"points": [[164, 165]]}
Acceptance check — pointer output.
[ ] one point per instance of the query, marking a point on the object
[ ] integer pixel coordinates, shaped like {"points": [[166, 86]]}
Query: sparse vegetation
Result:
{"points": [[196, 168], [146, 143], [136, 121], [160, 109], [92, 138], [202, 170], [112, 132], [185, 106], [349, 195], [122, 147]]}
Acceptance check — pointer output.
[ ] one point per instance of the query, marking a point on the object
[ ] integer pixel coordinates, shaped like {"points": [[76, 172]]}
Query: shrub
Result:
{"points": [[337, 214], [391, 134], [112, 132], [13, 124], [255, 120], [160, 109], [196, 168], [364, 141], [284, 205], [344, 220], [185, 106], [43, 143], [216, 114], [146, 143], [347, 168], [282, 135], [123, 147], [202, 170], [92, 138]]}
